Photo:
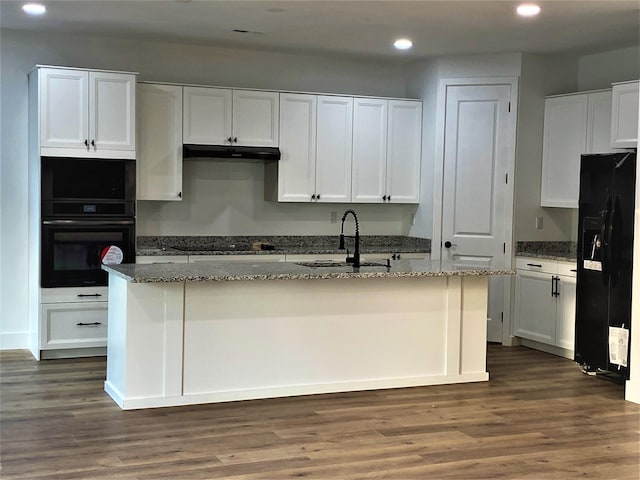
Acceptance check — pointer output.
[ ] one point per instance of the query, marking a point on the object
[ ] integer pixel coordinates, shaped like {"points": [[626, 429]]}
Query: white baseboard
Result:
{"points": [[560, 352], [14, 341], [287, 391]]}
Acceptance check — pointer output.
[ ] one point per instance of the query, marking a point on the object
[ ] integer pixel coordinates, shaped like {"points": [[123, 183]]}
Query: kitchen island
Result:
{"points": [[183, 334]]}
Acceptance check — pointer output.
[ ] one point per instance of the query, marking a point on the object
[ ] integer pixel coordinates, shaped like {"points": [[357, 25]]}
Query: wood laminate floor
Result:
{"points": [[538, 417]]}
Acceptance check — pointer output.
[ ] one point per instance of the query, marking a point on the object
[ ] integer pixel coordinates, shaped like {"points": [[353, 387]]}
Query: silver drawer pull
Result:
{"points": [[534, 265], [82, 324], [89, 295]]}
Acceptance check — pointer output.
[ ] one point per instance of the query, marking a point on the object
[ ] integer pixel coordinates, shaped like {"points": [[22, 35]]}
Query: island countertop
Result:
{"points": [[230, 271]]}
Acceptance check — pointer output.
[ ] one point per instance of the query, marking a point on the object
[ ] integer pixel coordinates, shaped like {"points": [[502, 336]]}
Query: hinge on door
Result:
{"points": [[502, 317], [506, 178], [509, 107], [504, 248]]}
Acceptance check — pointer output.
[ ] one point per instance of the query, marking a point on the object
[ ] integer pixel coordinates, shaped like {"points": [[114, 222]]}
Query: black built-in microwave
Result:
{"points": [[87, 187]]}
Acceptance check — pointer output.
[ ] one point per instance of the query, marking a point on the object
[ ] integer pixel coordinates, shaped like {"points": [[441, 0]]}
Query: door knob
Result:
{"points": [[448, 244]]}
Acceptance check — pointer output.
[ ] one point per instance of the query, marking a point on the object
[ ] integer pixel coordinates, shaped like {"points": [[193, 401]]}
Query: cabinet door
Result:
{"points": [[566, 313], [624, 115], [63, 108], [599, 122], [112, 105], [207, 116], [369, 150], [73, 325], [255, 118], [535, 307], [333, 153], [159, 162], [297, 165], [564, 140], [403, 151]]}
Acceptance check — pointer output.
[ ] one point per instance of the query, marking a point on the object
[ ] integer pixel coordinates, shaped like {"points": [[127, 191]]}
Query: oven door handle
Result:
{"points": [[88, 222]]}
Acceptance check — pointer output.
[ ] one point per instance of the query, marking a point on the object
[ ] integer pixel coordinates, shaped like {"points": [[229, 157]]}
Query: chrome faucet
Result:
{"points": [[356, 254]]}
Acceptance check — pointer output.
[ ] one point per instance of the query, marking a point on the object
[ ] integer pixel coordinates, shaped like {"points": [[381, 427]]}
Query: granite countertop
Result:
{"points": [[292, 245], [563, 251], [230, 271]]}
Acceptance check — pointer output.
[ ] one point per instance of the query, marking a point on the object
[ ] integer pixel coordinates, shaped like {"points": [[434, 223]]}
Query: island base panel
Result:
{"points": [[261, 339]]}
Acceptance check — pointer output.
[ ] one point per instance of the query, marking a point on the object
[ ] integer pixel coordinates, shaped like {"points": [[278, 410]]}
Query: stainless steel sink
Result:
{"points": [[335, 263]]}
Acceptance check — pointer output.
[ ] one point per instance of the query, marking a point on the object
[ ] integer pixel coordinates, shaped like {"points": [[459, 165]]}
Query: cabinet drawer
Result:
{"points": [[73, 325], [536, 264], [567, 269], [74, 294], [162, 259], [310, 257]]}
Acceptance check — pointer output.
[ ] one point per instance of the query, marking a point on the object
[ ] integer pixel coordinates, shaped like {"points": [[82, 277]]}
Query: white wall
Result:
{"points": [[541, 75], [600, 70], [632, 387], [225, 198], [222, 200]]}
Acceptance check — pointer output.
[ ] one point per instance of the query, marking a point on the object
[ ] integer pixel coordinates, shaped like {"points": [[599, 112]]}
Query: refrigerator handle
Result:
{"points": [[612, 241], [606, 238]]}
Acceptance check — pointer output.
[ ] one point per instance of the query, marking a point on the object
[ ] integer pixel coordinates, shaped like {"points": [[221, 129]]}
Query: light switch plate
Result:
{"points": [[539, 223]]}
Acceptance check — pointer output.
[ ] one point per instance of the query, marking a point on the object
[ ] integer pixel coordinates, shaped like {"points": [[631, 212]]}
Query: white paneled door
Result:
{"points": [[477, 148]]}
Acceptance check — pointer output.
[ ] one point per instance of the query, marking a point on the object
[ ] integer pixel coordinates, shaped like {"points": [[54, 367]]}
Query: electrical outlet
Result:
{"points": [[334, 217], [539, 223], [413, 219]]}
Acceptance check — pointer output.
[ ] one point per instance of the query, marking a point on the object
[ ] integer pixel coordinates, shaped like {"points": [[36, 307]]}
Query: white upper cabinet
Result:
{"points": [[387, 137], [207, 116], [216, 116], [404, 151], [159, 163], [573, 124], [599, 122], [296, 170], [369, 150], [624, 115], [85, 113], [255, 118], [64, 108], [333, 149], [341, 149]]}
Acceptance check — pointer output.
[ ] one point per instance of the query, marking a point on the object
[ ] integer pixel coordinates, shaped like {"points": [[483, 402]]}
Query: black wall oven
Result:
{"points": [[88, 219], [74, 250]]}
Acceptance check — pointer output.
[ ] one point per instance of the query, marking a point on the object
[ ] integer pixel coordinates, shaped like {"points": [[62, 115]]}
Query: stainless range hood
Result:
{"points": [[229, 152]]}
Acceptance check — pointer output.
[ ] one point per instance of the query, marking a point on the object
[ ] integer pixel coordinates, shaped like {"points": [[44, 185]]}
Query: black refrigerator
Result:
{"points": [[605, 258]]}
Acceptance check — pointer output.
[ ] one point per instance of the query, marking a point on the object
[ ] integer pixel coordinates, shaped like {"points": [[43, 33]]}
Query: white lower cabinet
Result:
{"points": [[73, 318], [545, 303], [236, 258]]}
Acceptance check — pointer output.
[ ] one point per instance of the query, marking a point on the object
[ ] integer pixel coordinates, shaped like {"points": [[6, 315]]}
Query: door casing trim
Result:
{"points": [[438, 188]]}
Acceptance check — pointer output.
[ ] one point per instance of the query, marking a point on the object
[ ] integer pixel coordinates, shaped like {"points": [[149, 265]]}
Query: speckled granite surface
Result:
{"points": [[233, 271], [550, 250], [299, 244]]}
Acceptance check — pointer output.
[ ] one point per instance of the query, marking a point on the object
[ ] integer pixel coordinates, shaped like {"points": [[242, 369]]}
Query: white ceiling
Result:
{"points": [[360, 28]]}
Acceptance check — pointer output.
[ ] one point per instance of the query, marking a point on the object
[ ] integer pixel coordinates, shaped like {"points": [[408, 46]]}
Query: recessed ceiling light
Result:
{"points": [[403, 44], [528, 10], [33, 9]]}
